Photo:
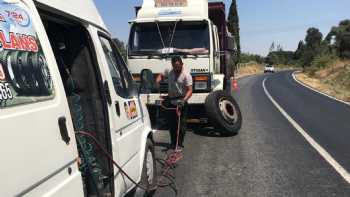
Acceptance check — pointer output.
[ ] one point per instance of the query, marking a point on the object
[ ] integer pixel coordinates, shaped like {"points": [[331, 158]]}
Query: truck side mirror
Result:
{"points": [[147, 81]]}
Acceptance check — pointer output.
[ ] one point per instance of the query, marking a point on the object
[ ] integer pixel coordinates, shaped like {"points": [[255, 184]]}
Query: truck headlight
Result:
{"points": [[200, 85], [201, 82]]}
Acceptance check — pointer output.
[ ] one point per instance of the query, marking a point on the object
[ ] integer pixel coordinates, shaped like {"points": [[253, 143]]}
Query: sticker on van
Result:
{"points": [[2, 74], [130, 110], [24, 71], [5, 92]]}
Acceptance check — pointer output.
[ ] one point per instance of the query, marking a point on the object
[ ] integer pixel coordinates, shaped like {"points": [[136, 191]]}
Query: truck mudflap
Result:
{"points": [[231, 86]]}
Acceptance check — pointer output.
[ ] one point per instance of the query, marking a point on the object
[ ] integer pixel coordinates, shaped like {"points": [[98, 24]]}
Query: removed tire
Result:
{"points": [[223, 112], [149, 175]]}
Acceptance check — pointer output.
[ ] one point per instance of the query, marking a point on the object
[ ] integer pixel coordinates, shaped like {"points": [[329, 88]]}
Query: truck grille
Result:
{"points": [[163, 87]]}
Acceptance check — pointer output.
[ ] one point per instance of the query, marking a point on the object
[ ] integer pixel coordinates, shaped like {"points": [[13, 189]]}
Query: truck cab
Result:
{"points": [[194, 29], [67, 100]]}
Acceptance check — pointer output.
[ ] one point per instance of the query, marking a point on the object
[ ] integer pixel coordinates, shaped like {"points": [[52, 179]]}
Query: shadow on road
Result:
{"points": [[207, 131]]}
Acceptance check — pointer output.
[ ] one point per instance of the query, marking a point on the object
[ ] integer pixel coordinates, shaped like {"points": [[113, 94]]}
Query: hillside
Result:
{"points": [[333, 80]]}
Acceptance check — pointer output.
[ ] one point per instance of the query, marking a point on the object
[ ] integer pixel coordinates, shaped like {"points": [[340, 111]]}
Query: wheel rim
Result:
{"points": [[150, 167], [228, 110]]}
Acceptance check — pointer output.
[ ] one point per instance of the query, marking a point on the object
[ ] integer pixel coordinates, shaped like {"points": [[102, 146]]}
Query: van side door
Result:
{"points": [[37, 139], [126, 115]]}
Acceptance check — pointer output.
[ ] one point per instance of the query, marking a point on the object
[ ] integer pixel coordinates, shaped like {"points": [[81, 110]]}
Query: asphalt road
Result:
{"points": [[268, 157]]}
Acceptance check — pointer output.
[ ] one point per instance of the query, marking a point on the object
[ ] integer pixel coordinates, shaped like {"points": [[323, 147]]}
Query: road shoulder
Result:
{"points": [[318, 86]]}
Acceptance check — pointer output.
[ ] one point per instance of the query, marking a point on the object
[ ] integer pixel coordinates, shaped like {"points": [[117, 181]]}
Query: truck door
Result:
{"points": [[126, 117], [37, 142]]}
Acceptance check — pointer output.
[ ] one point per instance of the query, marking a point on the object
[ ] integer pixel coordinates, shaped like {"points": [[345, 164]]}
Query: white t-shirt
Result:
{"points": [[178, 85]]}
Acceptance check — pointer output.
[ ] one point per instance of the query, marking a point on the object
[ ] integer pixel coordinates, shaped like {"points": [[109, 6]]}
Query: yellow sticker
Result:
{"points": [[131, 109]]}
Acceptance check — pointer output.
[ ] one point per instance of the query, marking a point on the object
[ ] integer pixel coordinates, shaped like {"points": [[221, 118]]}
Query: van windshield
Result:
{"points": [[169, 37]]}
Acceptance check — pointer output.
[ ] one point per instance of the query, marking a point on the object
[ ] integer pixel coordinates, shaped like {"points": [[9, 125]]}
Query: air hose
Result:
{"points": [[170, 162], [89, 164]]}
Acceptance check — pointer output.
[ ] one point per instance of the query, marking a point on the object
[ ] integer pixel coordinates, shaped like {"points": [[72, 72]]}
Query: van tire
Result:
{"points": [[145, 181], [223, 113], [41, 73]]}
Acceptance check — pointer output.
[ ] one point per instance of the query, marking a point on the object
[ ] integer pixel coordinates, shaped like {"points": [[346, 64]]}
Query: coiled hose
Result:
{"points": [[169, 162], [89, 164]]}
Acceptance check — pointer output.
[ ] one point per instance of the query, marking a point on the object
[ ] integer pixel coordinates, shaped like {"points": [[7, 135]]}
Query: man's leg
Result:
{"points": [[183, 125], [172, 124]]}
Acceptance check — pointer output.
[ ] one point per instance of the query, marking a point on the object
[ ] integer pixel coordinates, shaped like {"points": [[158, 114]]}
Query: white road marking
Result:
{"points": [[341, 171], [313, 89]]}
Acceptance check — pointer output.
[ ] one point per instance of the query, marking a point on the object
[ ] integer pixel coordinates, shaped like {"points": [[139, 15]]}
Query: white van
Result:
{"points": [[60, 73]]}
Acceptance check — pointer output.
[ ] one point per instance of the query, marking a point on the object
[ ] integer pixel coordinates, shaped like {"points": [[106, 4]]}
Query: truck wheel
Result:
{"points": [[223, 112], [41, 73], [148, 176]]}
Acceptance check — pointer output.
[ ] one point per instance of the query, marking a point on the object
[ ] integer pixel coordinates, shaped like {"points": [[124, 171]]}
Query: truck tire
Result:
{"points": [[148, 174], [41, 73], [223, 113]]}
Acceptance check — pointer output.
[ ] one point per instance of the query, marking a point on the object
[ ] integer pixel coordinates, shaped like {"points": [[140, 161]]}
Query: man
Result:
{"points": [[179, 92]]}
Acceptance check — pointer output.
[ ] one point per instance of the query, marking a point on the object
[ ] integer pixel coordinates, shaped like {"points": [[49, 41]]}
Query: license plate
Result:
{"points": [[158, 102]]}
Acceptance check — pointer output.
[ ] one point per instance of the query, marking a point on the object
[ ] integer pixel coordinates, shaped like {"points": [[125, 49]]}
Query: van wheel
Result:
{"points": [[41, 73], [223, 112], [149, 174]]}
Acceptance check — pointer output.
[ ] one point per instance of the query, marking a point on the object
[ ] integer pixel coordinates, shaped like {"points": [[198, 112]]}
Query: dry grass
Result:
{"points": [[333, 80], [250, 69]]}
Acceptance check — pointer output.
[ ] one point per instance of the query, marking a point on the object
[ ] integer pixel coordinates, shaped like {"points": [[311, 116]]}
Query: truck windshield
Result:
{"points": [[190, 38]]}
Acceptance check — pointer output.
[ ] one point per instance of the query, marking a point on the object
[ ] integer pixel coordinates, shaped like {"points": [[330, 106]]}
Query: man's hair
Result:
{"points": [[175, 59]]}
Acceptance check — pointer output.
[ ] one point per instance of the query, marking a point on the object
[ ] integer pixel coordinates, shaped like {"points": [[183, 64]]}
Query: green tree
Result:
{"points": [[341, 36], [313, 38], [121, 47], [272, 47], [233, 25], [311, 48], [247, 57], [300, 50]]}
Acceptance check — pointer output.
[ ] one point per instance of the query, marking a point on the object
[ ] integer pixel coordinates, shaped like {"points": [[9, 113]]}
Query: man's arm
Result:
{"points": [[159, 78], [188, 94]]}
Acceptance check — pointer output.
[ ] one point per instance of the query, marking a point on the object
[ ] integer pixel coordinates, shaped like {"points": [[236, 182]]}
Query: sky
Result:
{"points": [[261, 21]]}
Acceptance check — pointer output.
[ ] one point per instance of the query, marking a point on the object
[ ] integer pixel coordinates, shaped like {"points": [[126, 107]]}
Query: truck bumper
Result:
{"points": [[196, 99]]}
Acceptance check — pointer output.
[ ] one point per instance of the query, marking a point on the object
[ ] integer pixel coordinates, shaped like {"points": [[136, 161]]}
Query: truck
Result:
{"points": [[68, 109], [197, 31]]}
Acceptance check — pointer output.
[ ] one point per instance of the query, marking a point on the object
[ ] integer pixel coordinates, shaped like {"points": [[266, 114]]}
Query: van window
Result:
{"points": [[24, 73], [122, 79]]}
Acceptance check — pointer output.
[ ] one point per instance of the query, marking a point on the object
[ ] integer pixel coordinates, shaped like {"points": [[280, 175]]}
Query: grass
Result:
{"points": [[251, 68], [333, 79]]}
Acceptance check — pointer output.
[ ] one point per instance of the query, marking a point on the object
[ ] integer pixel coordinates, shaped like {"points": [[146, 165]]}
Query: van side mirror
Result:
{"points": [[147, 81]]}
